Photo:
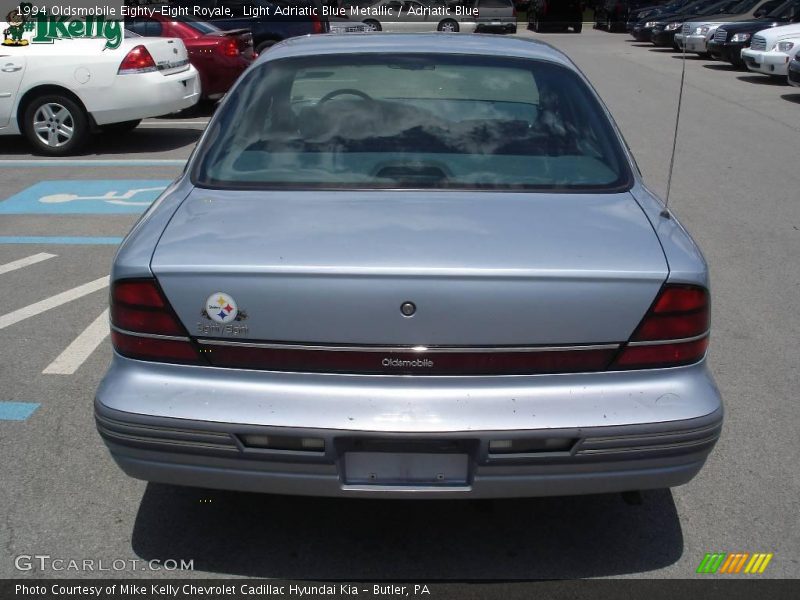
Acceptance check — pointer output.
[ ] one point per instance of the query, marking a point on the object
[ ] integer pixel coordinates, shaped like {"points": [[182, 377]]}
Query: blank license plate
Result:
{"points": [[405, 468]]}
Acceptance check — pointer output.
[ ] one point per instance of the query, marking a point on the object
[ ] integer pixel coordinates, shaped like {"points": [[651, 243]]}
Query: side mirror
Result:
{"points": [[759, 13]]}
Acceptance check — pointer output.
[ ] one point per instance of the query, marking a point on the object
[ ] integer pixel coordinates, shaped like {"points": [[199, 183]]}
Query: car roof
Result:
{"points": [[408, 43]]}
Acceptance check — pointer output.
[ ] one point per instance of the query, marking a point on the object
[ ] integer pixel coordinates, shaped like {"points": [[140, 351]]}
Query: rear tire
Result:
{"points": [[122, 127], [373, 25], [55, 125], [578, 27], [264, 46], [448, 25]]}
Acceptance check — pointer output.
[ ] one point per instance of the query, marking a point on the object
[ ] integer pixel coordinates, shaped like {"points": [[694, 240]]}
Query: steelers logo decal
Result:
{"points": [[221, 307]]}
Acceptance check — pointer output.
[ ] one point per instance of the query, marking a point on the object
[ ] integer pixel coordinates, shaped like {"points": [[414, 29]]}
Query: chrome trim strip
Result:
{"points": [[406, 349], [155, 336], [677, 341]]}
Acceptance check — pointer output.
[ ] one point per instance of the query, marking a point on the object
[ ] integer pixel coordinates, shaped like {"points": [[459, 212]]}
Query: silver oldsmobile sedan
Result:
{"points": [[410, 266]]}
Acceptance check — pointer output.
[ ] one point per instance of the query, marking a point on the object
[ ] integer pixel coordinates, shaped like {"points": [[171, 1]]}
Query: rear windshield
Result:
{"points": [[411, 121]]}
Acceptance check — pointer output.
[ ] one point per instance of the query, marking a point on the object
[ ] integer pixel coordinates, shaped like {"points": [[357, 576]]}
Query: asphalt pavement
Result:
{"points": [[737, 189]]}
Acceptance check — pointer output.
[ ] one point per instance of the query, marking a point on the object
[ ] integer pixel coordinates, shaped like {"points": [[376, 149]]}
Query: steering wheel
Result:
{"points": [[346, 92]]}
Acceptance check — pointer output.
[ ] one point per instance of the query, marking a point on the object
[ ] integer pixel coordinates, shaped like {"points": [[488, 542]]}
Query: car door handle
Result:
{"points": [[11, 67]]}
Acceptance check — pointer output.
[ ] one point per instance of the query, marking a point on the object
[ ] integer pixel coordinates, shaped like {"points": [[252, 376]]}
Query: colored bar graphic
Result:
{"points": [[17, 411], [728, 563]]}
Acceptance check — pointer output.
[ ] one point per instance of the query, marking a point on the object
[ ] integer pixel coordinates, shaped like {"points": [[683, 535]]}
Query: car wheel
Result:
{"points": [[55, 125], [264, 46], [448, 26], [120, 127], [372, 24], [578, 27]]}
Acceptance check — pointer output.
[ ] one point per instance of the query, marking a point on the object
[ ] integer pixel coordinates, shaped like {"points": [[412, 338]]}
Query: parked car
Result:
{"points": [[793, 75], [219, 56], [643, 30], [772, 49], [648, 10], [696, 34], [269, 28], [663, 32], [494, 15], [369, 240], [409, 16], [556, 14], [58, 94], [731, 38]]}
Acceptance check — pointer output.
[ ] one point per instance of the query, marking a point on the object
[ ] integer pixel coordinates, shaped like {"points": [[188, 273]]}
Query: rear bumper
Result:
{"points": [[623, 431], [769, 63], [504, 25], [144, 95]]}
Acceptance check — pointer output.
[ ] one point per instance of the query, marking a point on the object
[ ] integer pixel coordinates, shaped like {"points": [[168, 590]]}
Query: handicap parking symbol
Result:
{"points": [[80, 196]]}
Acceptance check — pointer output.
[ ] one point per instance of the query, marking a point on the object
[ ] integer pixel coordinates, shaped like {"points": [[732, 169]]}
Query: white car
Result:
{"points": [[57, 94], [772, 49], [410, 16]]}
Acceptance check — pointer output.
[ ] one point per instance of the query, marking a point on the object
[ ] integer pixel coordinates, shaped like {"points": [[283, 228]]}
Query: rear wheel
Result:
{"points": [[577, 27], [372, 24], [264, 46], [448, 26], [55, 125], [120, 127]]}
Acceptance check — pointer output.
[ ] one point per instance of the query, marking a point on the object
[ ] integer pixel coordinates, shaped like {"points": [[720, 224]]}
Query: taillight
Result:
{"points": [[316, 25], [144, 325], [674, 331], [138, 60], [229, 47]]}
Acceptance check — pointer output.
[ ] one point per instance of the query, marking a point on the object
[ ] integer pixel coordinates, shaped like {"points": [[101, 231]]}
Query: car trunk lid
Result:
{"points": [[482, 269]]}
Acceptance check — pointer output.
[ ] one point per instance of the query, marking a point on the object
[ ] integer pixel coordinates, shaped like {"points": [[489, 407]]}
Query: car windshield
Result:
{"points": [[716, 8], [788, 8], [200, 26], [413, 121], [744, 6]]}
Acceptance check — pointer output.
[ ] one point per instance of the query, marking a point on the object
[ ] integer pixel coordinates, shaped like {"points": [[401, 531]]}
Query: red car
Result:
{"points": [[219, 56]]}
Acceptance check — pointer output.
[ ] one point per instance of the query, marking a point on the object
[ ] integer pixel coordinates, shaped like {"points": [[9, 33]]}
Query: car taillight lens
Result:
{"points": [[674, 331], [229, 47], [316, 25], [144, 325], [138, 60]]}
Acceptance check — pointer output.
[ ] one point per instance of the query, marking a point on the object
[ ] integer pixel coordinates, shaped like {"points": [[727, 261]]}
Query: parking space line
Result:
{"points": [[172, 123], [17, 411], [25, 262], [101, 162], [81, 348], [52, 302], [46, 239]]}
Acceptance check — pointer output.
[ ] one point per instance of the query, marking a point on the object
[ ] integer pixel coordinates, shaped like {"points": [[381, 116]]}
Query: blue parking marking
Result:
{"points": [[85, 196], [17, 411], [45, 239]]}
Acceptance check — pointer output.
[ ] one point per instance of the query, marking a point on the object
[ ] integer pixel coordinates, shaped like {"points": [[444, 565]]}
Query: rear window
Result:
{"points": [[412, 121]]}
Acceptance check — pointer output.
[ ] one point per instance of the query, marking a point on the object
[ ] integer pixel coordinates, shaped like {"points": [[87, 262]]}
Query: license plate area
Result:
{"points": [[405, 469]]}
